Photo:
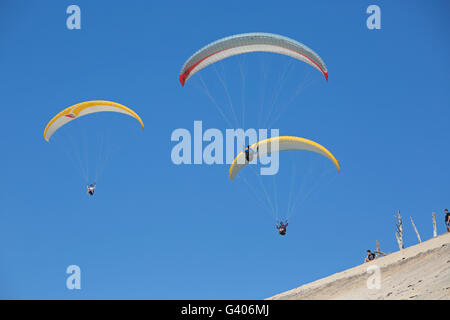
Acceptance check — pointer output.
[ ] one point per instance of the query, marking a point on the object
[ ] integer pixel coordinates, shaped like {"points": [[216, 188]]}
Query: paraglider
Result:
{"points": [[250, 42], [91, 188], [271, 145], [250, 153], [282, 228], [77, 111]]}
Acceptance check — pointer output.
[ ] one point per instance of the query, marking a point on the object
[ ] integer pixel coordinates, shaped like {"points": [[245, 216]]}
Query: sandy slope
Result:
{"points": [[418, 272]]}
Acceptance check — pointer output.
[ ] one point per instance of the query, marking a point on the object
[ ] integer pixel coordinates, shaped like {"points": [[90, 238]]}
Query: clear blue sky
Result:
{"points": [[159, 231]]}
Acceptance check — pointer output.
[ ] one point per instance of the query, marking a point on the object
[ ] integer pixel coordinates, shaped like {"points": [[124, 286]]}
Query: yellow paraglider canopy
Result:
{"points": [[278, 144], [82, 109]]}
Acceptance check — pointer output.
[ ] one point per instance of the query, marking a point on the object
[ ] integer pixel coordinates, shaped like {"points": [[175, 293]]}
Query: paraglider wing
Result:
{"points": [[250, 42], [277, 144], [82, 109]]}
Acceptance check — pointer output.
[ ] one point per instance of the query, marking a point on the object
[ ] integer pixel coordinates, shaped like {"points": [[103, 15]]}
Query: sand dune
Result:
{"points": [[418, 272]]}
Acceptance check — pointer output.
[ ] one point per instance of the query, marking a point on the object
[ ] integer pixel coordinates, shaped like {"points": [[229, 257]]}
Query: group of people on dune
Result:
{"points": [[373, 255]]}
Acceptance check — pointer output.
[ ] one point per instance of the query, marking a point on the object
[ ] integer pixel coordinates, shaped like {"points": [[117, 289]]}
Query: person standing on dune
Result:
{"points": [[370, 256], [447, 219]]}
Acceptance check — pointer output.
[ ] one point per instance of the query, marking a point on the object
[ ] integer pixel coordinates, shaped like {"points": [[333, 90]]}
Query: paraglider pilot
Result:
{"points": [[247, 151], [282, 228], [91, 188]]}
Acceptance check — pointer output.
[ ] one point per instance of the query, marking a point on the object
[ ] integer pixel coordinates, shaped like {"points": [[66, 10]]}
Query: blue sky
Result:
{"points": [[159, 231]]}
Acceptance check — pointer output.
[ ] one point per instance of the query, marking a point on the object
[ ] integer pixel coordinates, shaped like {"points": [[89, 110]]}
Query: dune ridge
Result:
{"points": [[418, 272]]}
